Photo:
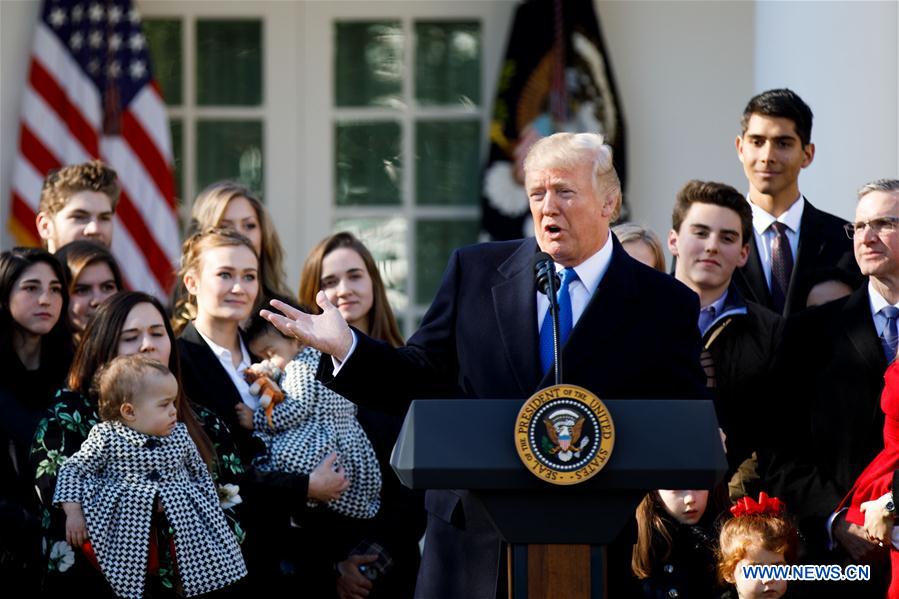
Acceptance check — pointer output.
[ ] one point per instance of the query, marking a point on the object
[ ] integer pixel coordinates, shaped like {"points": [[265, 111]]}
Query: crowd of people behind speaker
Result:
{"points": [[796, 390]]}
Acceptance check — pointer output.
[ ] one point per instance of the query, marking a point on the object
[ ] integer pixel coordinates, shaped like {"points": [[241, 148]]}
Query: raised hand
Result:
{"points": [[327, 332]]}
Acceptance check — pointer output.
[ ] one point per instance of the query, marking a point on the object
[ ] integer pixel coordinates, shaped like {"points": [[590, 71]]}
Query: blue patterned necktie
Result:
{"points": [[566, 321], [890, 336]]}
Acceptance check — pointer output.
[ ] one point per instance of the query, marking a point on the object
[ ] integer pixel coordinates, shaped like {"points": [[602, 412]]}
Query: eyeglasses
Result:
{"points": [[884, 224]]}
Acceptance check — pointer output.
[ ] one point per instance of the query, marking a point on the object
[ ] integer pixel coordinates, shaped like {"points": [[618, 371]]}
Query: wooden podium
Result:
{"points": [[556, 535]]}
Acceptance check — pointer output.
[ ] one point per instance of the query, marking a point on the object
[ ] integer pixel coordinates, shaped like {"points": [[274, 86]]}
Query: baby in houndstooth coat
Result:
{"points": [[140, 459], [311, 423]]}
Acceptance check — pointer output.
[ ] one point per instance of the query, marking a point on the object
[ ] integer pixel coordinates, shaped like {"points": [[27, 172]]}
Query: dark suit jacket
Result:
{"points": [[827, 405], [637, 338], [822, 244]]}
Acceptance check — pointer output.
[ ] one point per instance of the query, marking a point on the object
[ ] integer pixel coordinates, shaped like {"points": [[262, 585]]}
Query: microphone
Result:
{"points": [[548, 282], [545, 270]]}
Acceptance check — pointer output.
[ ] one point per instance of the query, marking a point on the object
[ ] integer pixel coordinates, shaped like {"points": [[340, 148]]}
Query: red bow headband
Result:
{"points": [[766, 505]]}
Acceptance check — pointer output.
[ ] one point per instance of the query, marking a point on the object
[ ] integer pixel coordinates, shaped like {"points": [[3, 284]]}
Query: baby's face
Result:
{"points": [[275, 347], [759, 588], [154, 409]]}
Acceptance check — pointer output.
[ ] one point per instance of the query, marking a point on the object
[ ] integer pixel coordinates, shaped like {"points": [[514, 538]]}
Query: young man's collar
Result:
{"points": [[761, 219]]}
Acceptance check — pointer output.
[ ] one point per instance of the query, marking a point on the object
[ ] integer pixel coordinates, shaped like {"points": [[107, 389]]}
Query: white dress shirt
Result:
{"points": [[589, 274], [235, 374], [764, 234]]}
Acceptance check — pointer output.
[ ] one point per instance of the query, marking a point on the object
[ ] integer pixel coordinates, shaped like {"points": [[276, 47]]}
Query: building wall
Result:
{"points": [[684, 71]]}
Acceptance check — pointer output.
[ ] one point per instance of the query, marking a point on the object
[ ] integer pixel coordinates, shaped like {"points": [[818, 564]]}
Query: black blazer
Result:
{"points": [[822, 244], [826, 402], [206, 382], [637, 338]]}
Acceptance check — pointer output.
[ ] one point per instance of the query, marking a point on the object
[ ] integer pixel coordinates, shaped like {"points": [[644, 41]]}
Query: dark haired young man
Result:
{"points": [[792, 238], [711, 226]]}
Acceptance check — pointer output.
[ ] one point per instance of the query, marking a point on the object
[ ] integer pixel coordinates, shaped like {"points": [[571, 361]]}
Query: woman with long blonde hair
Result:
{"points": [[227, 204]]}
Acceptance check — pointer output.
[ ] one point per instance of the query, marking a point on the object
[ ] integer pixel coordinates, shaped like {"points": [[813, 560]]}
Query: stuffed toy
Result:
{"points": [[263, 378]]}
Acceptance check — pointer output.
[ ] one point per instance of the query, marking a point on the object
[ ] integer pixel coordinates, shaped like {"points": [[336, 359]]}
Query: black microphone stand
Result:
{"points": [[554, 310]]}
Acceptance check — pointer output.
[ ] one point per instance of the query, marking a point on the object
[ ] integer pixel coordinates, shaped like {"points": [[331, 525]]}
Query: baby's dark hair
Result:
{"points": [[116, 382], [259, 326]]}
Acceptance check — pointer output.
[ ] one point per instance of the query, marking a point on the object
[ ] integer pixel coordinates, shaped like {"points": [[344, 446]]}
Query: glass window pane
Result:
{"points": [[434, 242], [368, 168], [164, 41], [385, 238], [229, 62], [447, 164], [229, 150], [368, 63], [448, 62], [177, 129]]}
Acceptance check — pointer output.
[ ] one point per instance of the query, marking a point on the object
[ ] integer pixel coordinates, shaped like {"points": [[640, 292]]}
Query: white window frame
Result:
{"points": [[278, 111], [495, 18]]}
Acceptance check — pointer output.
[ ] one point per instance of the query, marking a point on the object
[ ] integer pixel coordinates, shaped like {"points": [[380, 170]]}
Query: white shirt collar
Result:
{"points": [[591, 270], [761, 219], [877, 301], [223, 354]]}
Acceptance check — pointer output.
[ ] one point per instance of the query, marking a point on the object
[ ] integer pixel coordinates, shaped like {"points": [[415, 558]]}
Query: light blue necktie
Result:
{"points": [[566, 321], [706, 318], [890, 336]]}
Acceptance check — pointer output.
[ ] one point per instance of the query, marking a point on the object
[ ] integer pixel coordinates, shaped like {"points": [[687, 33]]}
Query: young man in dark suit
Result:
{"points": [[792, 239], [827, 396], [634, 336], [711, 226]]}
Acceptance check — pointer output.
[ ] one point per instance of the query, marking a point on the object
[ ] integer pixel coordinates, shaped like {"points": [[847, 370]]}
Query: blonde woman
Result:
{"points": [[227, 204], [220, 273], [641, 244]]}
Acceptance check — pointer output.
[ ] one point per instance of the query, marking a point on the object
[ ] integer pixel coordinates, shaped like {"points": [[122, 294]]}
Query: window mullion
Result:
{"points": [[409, 200]]}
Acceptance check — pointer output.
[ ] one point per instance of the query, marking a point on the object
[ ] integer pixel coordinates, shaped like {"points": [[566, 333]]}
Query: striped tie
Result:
{"points": [[781, 266]]}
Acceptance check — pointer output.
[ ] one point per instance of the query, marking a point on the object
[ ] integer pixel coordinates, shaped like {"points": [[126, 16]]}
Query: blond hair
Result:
{"points": [[570, 150], [207, 213], [738, 535], [632, 232], [119, 381], [191, 254], [63, 183]]}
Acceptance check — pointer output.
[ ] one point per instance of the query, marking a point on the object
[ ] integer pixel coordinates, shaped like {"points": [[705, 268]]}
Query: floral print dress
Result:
{"points": [[60, 434]]}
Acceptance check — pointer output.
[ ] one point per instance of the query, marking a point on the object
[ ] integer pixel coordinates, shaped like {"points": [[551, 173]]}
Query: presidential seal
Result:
{"points": [[564, 434]]}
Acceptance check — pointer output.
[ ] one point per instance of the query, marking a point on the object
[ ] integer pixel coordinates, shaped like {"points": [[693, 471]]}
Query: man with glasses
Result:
{"points": [[792, 239], [828, 396]]}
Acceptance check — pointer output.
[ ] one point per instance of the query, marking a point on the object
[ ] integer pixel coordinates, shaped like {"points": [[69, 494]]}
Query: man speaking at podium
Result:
{"points": [[630, 333]]}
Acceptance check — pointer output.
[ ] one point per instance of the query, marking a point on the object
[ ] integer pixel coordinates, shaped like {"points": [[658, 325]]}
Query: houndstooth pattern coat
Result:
{"points": [[117, 475], [309, 424]]}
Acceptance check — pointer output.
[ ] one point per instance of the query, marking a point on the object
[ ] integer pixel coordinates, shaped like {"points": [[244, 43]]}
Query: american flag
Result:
{"points": [[90, 94]]}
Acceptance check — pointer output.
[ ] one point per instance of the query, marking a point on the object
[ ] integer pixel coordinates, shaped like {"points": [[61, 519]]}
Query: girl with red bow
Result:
{"points": [[759, 534]]}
